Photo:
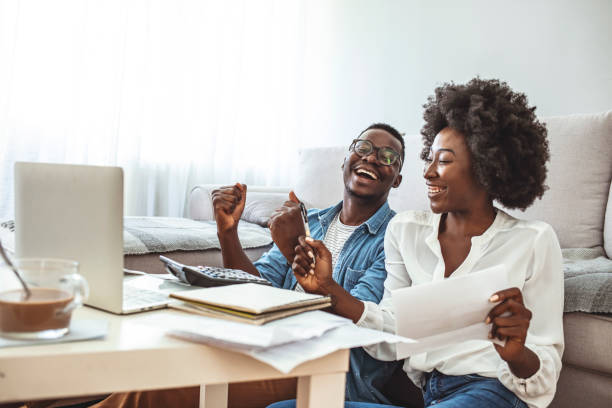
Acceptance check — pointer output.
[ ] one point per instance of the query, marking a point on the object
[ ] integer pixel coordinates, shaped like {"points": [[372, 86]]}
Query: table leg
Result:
{"points": [[213, 396], [324, 390]]}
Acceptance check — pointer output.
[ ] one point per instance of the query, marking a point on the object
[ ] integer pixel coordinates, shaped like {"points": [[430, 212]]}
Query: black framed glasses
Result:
{"points": [[385, 155]]}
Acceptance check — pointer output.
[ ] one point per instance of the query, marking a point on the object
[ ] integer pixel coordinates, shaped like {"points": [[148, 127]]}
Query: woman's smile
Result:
{"points": [[434, 192]]}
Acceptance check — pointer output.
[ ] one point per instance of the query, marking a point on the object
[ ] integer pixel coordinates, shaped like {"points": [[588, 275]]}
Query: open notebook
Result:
{"points": [[248, 302]]}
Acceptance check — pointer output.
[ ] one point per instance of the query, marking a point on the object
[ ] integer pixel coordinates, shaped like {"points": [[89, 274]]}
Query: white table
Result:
{"points": [[137, 356]]}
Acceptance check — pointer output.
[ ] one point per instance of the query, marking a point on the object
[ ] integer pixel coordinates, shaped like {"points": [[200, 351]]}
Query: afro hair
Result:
{"points": [[507, 143]]}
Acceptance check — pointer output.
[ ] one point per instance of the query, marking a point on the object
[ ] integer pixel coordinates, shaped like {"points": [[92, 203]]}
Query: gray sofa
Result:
{"points": [[577, 205]]}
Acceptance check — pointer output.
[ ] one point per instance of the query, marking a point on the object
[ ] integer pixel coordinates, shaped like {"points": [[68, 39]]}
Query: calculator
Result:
{"points": [[209, 276]]}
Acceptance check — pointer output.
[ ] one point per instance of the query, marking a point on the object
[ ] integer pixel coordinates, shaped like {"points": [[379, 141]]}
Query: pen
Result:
{"points": [[305, 219], [306, 227]]}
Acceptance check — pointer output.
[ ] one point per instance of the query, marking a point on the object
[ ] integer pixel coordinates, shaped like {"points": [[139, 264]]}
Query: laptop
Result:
{"points": [[76, 212]]}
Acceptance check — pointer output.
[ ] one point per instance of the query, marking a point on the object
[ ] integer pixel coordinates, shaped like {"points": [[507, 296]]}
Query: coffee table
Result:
{"points": [[138, 356]]}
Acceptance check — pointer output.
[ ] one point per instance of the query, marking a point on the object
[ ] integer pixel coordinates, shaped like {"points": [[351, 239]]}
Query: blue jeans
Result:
{"points": [[445, 391], [470, 390], [347, 404]]}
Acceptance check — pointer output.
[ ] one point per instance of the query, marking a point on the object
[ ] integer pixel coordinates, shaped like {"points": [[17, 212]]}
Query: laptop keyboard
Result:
{"points": [[136, 297]]}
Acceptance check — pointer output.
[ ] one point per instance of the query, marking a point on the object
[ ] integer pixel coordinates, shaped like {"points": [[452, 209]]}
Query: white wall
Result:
{"points": [[315, 73], [386, 57]]}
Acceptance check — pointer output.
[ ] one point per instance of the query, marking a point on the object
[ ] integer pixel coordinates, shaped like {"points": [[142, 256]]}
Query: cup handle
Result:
{"points": [[80, 291]]}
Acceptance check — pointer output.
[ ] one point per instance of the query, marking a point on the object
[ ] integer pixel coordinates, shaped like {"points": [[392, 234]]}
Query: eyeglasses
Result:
{"points": [[385, 155]]}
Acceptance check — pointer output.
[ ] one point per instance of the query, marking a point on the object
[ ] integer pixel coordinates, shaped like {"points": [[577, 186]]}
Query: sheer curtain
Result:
{"points": [[176, 92]]}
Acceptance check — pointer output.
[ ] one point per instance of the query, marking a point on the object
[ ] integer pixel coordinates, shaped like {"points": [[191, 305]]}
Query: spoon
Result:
{"points": [[28, 293]]}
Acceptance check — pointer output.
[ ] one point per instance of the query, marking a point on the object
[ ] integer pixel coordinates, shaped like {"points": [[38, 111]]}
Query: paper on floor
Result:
{"points": [[446, 312]]}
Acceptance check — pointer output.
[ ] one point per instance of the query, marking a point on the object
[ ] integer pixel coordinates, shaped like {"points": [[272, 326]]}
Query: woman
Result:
{"points": [[482, 143]]}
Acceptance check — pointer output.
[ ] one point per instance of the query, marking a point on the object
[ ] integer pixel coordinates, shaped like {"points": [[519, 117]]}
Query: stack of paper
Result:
{"points": [[248, 302], [283, 344]]}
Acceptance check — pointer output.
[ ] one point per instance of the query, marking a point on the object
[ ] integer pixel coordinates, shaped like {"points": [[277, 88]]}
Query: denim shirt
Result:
{"points": [[360, 270]]}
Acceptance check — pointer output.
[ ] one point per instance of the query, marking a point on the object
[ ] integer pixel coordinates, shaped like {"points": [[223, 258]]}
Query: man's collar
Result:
{"points": [[373, 223]]}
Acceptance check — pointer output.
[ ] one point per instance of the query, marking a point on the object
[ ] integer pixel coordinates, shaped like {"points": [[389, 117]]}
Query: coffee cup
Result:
{"points": [[56, 290]]}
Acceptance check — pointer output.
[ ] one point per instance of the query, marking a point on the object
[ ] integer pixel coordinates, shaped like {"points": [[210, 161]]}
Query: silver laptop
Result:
{"points": [[76, 212]]}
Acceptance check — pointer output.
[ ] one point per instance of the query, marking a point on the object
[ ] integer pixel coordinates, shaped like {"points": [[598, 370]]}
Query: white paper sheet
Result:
{"points": [[283, 343], [236, 335], [288, 356], [446, 312], [285, 357]]}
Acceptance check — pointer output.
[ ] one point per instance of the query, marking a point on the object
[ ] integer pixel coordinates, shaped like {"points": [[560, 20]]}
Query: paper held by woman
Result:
{"points": [[458, 313]]}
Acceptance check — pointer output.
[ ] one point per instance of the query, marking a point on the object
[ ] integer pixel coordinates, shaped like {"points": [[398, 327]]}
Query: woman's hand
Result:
{"points": [[510, 322], [312, 266]]}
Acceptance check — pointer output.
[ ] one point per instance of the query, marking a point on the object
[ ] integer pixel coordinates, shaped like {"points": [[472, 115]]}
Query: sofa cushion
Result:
{"points": [[579, 176], [260, 206], [150, 263], [608, 226], [319, 179], [587, 341], [588, 280], [582, 388], [144, 235], [260, 203], [412, 192]]}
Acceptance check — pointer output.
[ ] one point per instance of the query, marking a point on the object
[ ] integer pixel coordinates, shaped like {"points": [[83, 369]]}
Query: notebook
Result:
{"points": [[248, 302], [76, 212]]}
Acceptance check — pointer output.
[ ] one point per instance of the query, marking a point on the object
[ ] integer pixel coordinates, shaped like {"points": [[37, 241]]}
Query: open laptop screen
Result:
{"points": [[74, 212]]}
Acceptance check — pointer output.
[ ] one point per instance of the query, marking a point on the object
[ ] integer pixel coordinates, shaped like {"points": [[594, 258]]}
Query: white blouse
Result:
{"points": [[529, 248]]}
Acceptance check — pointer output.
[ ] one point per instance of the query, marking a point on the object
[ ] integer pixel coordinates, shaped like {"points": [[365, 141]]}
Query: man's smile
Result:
{"points": [[367, 173]]}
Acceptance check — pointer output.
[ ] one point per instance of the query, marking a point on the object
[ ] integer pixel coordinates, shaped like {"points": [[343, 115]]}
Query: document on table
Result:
{"points": [[447, 312], [287, 356], [283, 343], [236, 335]]}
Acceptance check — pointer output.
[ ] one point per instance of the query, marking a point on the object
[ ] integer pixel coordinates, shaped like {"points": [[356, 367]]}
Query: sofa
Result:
{"points": [[578, 205]]}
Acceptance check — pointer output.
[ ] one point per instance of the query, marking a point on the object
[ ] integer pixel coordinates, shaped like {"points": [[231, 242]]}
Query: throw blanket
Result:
{"points": [[588, 280], [144, 235]]}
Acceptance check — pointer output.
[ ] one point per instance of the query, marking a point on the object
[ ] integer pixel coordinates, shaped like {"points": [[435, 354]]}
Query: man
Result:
{"points": [[353, 231]]}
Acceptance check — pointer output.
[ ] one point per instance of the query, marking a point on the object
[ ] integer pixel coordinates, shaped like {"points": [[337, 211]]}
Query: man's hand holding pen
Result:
{"points": [[291, 233], [307, 229], [286, 225]]}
